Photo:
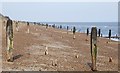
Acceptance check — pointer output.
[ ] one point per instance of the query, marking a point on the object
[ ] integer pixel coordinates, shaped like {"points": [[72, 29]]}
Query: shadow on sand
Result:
{"points": [[17, 56], [90, 65]]}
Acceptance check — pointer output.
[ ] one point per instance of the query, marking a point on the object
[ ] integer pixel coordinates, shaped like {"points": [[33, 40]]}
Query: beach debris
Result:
{"points": [[9, 40], [76, 56], [54, 62], [110, 59], [46, 50], [99, 32], [74, 30], [86, 39], [87, 31], [94, 48], [107, 42]]}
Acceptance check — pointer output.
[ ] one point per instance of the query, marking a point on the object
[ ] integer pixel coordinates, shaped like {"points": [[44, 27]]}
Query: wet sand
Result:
{"points": [[64, 52]]}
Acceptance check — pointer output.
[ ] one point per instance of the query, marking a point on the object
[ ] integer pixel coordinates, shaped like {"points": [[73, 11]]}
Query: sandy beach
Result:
{"points": [[64, 52]]}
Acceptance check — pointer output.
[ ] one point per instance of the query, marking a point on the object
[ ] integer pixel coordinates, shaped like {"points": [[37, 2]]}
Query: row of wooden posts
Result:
{"points": [[74, 29], [99, 34], [93, 41]]}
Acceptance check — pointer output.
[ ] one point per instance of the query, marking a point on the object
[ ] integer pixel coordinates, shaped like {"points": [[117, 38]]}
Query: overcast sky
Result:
{"points": [[62, 11]]}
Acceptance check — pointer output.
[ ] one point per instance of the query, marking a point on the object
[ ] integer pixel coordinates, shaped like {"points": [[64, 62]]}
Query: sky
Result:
{"points": [[73, 11]]}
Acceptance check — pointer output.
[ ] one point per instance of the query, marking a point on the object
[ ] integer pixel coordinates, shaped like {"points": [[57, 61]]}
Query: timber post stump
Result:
{"points": [[99, 32], [17, 27], [46, 26], [74, 30], [9, 40], [28, 30], [67, 29], [93, 44], [109, 35], [87, 31]]}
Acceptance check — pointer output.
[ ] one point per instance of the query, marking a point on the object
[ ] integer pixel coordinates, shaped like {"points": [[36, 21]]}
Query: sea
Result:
{"points": [[82, 27]]}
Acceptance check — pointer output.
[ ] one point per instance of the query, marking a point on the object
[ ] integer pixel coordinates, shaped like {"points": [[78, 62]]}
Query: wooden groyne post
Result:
{"points": [[17, 27], [9, 40], [46, 26], [28, 30], [60, 26], [99, 33], [87, 31], [93, 44], [109, 35], [74, 30], [53, 25], [67, 29]]}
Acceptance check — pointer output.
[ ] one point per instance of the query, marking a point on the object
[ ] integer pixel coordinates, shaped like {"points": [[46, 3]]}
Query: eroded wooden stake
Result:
{"points": [[74, 30], [28, 27], [46, 26], [87, 31], [17, 27], [109, 35], [9, 40], [67, 29], [94, 47], [99, 33], [46, 50]]}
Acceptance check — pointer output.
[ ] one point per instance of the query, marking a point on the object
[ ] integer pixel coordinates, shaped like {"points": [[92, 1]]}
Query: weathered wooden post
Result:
{"points": [[87, 34], [46, 26], [60, 26], [74, 30], [9, 40], [93, 47], [17, 28], [109, 35], [67, 29], [53, 25], [46, 50], [35, 23], [99, 32], [87, 31], [28, 27]]}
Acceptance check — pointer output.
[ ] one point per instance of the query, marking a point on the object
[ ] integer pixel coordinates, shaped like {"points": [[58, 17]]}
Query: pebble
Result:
{"points": [[110, 59]]}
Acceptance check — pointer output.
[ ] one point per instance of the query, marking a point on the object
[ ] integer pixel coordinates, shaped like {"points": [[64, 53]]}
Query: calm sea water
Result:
{"points": [[82, 26]]}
